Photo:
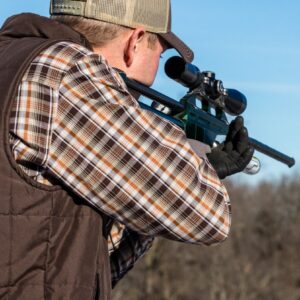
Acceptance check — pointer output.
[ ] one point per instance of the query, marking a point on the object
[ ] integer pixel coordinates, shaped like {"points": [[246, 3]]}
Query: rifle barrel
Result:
{"points": [[289, 161]]}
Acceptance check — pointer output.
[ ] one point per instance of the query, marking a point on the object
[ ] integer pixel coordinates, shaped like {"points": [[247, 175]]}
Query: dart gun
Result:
{"points": [[202, 112]]}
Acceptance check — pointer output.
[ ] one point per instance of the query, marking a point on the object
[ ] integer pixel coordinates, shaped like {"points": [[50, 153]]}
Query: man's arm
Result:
{"points": [[133, 165]]}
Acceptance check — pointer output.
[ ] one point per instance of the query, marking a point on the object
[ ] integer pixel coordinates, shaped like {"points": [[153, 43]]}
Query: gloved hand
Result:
{"points": [[234, 154]]}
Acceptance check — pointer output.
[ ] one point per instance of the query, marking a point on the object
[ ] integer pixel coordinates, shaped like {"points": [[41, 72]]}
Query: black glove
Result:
{"points": [[234, 154]]}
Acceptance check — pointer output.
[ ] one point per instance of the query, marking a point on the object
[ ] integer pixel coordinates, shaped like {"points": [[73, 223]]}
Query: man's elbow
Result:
{"points": [[216, 231], [219, 232]]}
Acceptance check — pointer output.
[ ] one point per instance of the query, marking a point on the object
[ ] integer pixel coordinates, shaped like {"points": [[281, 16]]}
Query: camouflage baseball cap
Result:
{"points": [[153, 15]]}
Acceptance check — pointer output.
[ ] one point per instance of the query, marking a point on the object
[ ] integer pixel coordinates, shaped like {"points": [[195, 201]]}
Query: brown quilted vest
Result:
{"points": [[52, 244]]}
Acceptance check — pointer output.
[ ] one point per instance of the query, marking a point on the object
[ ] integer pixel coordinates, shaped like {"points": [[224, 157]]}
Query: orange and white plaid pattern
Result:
{"points": [[74, 121]]}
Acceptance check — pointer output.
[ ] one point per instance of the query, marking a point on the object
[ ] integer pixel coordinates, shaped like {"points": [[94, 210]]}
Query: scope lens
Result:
{"points": [[174, 67], [235, 102]]}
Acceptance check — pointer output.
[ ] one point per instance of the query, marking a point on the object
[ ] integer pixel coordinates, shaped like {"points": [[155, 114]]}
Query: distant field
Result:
{"points": [[259, 261]]}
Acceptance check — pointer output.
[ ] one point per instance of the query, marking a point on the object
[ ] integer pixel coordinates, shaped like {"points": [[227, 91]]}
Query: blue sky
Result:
{"points": [[253, 46]]}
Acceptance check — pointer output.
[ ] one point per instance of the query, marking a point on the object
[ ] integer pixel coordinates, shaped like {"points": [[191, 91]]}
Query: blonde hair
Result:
{"points": [[98, 33]]}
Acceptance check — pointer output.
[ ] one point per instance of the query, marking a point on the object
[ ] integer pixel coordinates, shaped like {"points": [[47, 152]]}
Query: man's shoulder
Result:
{"points": [[67, 58], [49, 67]]}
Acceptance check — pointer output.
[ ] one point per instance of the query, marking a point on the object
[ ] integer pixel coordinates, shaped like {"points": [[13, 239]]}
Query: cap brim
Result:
{"points": [[176, 43]]}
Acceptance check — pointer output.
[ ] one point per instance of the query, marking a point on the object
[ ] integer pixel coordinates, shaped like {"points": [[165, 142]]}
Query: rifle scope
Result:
{"points": [[205, 84]]}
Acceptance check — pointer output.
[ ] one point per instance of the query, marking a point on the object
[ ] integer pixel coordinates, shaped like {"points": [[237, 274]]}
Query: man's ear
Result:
{"points": [[133, 45]]}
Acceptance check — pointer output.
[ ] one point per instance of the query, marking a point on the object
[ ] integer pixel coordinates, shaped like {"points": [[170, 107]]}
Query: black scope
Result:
{"points": [[233, 101]]}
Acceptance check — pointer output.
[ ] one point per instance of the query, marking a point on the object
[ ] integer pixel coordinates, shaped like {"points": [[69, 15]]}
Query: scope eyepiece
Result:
{"points": [[184, 73]]}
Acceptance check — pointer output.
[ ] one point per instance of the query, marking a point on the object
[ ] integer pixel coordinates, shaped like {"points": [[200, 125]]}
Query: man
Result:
{"points": [[88, 178]]}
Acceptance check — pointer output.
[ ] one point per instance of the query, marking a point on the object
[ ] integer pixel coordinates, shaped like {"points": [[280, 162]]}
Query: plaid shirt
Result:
{"points": [[73, 120]]}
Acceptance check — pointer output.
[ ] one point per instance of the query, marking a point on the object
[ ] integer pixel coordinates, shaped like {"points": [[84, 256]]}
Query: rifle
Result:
{"points": [[201, 113]]}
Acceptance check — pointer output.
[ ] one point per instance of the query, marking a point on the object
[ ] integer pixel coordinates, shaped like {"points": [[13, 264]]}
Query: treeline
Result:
{"points": [[260, 260]]}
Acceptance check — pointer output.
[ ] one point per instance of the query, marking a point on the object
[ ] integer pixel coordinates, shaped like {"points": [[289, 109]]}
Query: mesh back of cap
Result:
{"points": [[152, 14]]}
